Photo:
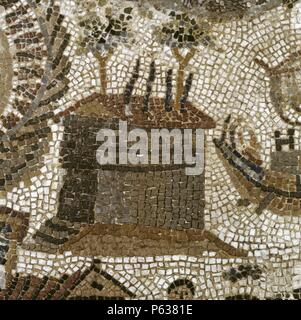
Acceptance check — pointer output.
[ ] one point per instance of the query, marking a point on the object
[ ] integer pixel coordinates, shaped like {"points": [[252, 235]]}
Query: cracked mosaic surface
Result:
{"points": [[72, 229]]}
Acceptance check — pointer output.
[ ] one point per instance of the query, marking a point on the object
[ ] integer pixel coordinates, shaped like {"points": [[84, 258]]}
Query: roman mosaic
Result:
{"points": [[71, 228]]}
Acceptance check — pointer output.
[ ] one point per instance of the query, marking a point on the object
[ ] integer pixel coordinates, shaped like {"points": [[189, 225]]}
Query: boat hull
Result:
{"points": [[275, 191]]}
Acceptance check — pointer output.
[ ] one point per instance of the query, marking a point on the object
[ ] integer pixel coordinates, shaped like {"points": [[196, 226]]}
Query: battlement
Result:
{"points": [[286, 158]]}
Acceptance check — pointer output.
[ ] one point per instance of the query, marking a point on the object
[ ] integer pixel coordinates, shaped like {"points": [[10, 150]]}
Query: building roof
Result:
{"points": [[112, 106], [91, 283]]}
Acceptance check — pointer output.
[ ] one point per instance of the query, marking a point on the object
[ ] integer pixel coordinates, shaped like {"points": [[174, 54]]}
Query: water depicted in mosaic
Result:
{"points": [[94, 204]]}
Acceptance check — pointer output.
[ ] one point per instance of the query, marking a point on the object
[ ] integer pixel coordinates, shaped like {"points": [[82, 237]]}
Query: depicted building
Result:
{"points": [[286, 158], [154, 195]]}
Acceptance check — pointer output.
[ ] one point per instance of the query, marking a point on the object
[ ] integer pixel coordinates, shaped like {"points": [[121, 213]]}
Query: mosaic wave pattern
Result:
{"points": [[71, 228]]}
